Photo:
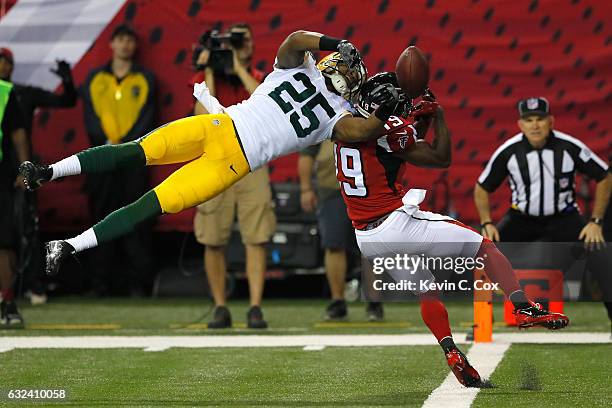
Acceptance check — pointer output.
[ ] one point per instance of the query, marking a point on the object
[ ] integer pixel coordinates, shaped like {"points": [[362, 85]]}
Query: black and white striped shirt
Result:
{"points": [[542, 180]]}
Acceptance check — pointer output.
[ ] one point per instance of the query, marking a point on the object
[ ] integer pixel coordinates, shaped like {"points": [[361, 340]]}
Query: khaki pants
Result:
{"points": [[251, 199]]}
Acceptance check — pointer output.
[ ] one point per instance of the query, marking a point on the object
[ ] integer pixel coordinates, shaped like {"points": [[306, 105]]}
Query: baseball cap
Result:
{"points": [[7, 53], [533, 106], [124, 29]]}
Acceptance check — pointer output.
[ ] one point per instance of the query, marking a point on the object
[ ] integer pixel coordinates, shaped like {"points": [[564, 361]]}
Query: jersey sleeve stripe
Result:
{"points": [[578, 143], [487, 170]]}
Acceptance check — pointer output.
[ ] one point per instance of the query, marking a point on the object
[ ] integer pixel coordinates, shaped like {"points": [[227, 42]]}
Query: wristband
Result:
{"points": [[328, 43], [484, 224], [596, 221]]}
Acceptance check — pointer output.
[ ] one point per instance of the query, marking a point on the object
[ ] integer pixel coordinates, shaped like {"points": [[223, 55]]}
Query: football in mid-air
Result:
{"points": [[412, 71]]}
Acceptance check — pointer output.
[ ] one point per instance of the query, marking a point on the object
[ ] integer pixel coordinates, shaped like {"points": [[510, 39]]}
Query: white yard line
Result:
{"points": [[484, 357], [160, 343], [553, 337], [314, 348]]}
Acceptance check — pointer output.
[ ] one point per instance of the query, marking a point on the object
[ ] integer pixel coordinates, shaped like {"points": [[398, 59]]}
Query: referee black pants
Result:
{"points": [[518, 227]]}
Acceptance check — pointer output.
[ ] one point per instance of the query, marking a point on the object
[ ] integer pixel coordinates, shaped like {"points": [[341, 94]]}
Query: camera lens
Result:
{"points": [[237, 39]]}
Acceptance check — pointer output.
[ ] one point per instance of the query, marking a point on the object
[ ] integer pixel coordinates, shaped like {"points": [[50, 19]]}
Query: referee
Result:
{"points": [[540, 164]]}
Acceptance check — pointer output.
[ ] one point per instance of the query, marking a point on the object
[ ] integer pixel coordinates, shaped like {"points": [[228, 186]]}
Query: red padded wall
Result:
{"points": [[484, 57]]}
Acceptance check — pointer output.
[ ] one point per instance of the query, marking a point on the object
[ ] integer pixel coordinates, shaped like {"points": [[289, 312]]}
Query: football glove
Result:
{"points": [[62, 70], [387, 99], [349, 53], [424, 108], [385, 94]]}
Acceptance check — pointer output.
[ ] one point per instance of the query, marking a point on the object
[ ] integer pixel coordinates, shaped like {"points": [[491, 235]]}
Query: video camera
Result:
{"points": [[219, 44]]}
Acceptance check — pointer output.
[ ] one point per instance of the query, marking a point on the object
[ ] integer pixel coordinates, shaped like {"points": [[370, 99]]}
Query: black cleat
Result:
{"points": [[222, 318], [336, 310], [375, 312], [56, 252], [255, 318], [9, 316], [34, 175]]}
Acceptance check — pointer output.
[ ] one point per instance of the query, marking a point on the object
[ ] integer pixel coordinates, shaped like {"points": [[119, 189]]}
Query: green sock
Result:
{"points": [[111, 157], [123, 220]]}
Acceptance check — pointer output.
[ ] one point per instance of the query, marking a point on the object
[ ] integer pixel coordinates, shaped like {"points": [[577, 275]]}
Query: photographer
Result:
{"points": [[29, 98], [228, 57], [224, 62]]}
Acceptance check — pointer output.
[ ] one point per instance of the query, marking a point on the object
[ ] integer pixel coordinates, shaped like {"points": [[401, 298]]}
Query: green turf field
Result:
{"points": [[187, 316], [555, 375], [263, 377], [559, 375]]}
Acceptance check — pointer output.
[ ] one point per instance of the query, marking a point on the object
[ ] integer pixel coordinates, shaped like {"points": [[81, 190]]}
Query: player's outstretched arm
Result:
{"points": [[436, 155], [292, 50], [424, 113], [353, 130]]}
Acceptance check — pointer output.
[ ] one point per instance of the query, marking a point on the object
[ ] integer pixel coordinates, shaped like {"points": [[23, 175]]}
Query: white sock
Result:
{"points": [[69, 166], [84, 241]]}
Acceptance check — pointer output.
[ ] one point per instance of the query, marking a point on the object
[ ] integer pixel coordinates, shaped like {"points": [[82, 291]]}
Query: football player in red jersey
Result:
{"points": [[388, 221]]}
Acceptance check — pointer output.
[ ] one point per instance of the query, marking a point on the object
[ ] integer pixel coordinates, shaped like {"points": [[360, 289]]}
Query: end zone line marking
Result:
{"points": [[256, 340], [482, 356]]}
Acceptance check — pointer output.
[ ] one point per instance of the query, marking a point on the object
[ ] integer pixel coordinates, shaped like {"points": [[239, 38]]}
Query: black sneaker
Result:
{"points": [[9, 316], [336, 310], [56, 252], [375, 312], [34, 175], [222, 318], [255, 318]]}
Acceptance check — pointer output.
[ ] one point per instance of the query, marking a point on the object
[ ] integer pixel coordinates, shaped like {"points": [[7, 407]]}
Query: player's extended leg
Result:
{"points": [[496, 266], [440, 236], [528, 313], [435, 316], [222, 164], [175, 142]]}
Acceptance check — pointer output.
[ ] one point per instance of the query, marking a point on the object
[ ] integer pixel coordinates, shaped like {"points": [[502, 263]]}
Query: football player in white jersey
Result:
{"points": [[297, 105]]}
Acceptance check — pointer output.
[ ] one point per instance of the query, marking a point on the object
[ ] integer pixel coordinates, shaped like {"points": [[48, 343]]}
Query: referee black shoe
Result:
{"points": [[56, 252], [9, 316], [336, 310], [375, 312], [222, 318], [255, 318], [34, 175]]}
